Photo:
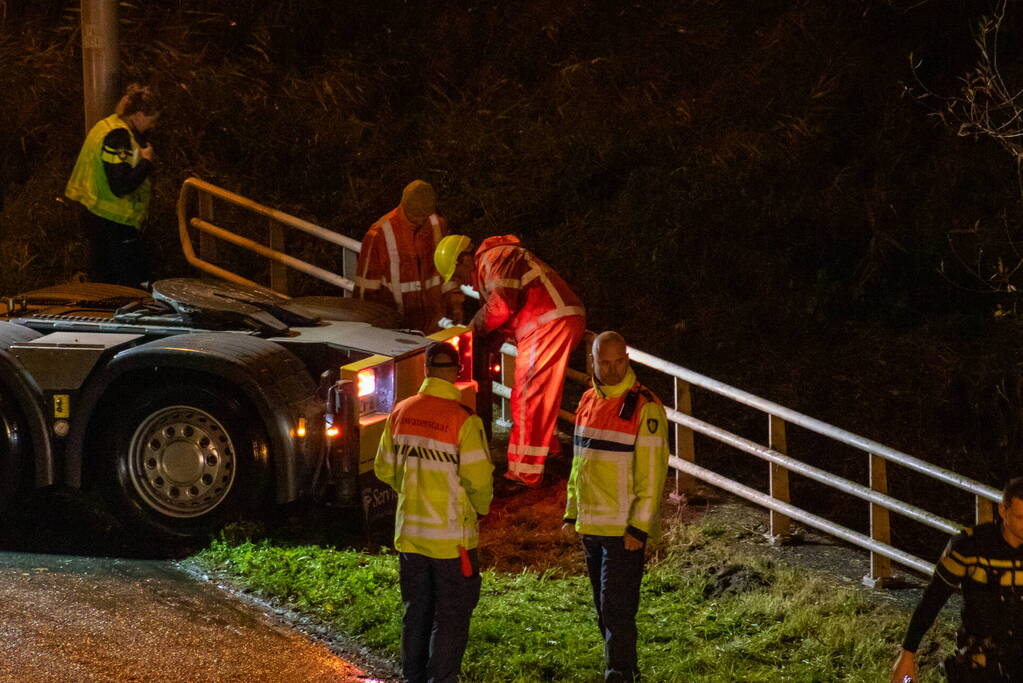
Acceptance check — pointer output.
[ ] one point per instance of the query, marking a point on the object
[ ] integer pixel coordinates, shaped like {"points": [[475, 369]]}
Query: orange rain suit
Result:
{"points": [[524, 297], [396, 268]]}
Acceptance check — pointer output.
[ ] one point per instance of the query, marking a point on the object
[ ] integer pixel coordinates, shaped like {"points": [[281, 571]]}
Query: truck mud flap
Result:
{"points": [[379, 504]]}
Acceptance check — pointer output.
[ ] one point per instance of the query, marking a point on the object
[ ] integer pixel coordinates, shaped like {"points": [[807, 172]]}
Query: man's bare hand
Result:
{"points": [[568, 532], [905, 666], [146, 152], [631, 542]]}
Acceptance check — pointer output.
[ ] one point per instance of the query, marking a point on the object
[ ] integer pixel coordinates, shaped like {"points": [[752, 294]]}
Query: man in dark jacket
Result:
{"points": [[986, 563]]}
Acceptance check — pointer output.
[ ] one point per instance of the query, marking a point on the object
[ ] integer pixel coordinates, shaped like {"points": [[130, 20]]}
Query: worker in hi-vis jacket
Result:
{"points": [[614, 494], [525, 299], [434, 453], [395, 266]]}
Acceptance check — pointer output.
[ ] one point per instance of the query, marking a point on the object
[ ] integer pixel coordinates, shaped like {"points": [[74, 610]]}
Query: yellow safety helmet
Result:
{"points": [[445, 256]]}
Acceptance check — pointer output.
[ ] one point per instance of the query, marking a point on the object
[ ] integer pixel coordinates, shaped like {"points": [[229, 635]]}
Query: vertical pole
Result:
{"points": [[508, 380], [278, 271], [207, 243], [880, 528], [349, 266], [685, 447], [985, 510], [778, 476], [99, 59]]}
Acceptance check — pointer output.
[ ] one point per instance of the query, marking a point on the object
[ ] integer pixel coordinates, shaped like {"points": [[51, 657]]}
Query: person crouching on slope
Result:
{"points": [[526, 299]]}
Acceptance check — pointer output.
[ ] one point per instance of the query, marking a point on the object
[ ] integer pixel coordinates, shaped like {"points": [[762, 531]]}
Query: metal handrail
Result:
{"points": [[810, 519], [815, 425], [201, 187], [815, 473]]}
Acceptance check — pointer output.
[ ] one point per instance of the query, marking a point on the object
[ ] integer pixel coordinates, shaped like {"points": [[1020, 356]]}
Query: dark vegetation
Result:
{"points": [[760, 194]]}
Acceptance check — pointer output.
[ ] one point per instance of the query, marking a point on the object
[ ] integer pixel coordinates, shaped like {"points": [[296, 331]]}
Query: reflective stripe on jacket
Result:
{"points": [[434, 453], [396, 268], [620, 465], [520, 290], [89, 185]]}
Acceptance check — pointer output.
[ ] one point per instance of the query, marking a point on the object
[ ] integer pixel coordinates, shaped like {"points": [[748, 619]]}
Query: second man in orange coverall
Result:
{"points": [[525, 299], [395, 265]]}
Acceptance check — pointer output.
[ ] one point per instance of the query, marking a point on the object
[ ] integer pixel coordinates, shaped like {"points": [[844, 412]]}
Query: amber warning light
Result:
{"points": [[333, 431], [367, 382]]}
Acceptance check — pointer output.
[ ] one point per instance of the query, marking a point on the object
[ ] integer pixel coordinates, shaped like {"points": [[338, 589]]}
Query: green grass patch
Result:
{"points": [[788, 625]]}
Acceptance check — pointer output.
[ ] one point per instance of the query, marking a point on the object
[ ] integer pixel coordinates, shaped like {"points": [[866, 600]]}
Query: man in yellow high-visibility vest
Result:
{"points": [[434, 453], [111, 180], [614, 494]]}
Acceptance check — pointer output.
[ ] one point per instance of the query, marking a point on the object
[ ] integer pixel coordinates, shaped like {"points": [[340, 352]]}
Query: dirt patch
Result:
{"points": [[523, 529], [732, 580]]}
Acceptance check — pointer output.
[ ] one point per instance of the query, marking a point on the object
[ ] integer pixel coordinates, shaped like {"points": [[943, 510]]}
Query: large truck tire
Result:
{"points": [[347, 309], [185, 459], [15, 434], [15, 450]]}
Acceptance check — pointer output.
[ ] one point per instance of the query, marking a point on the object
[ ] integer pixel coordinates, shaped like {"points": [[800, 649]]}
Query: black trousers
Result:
{"points": [[615, 574], [1003, 667], [438, 602], [118, 253]]}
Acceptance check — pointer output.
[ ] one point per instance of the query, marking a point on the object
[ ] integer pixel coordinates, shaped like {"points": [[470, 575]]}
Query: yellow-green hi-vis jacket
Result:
{"points": [[434, 453], [620, 463], [88, 184]]}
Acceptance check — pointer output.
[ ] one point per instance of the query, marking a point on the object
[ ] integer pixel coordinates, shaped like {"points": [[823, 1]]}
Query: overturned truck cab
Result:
{"points": [[200, 403]]}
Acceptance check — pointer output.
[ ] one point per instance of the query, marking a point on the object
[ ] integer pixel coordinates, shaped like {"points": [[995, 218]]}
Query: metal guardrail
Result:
{"points": [[780, 463], [882, 553], [202, 220]]}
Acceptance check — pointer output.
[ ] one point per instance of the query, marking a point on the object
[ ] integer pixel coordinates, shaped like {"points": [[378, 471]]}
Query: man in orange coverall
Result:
{"points": [[395, 265], [525, 299]]}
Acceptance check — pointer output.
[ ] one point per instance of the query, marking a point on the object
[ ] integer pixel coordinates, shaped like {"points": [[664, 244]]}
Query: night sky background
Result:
{"points": [[764, 192]]}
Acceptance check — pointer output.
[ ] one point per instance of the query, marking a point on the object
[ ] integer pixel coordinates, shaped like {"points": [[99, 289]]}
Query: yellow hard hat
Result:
{"points": [[445, 256]]}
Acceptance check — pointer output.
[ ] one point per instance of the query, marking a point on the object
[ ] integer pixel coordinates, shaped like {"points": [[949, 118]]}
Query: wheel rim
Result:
{"points": [[181, 461]]}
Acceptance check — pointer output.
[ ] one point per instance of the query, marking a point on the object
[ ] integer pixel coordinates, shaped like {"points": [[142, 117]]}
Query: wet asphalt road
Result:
{"points": [[82, 611], [102, 619]]}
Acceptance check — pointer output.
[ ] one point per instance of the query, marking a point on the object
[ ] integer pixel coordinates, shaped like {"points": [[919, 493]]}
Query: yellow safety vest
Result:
{"points": [[89, 185], [620, 463], [434, 453]]}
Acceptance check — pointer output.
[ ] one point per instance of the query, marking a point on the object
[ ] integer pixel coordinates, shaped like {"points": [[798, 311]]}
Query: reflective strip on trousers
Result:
{"points": [[536, 395], [547, 317]]}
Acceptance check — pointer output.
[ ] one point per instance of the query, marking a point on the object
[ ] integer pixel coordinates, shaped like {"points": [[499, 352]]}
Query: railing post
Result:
{"points": [[985, 510], [349, 266], [504, 419], [207, 242], [685, 446], [278, 271], [780, 530], [880, 528]]}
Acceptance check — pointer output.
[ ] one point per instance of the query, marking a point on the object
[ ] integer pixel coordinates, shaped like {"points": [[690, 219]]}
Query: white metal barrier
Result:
{"points": [[780, 463], [196, 210]]}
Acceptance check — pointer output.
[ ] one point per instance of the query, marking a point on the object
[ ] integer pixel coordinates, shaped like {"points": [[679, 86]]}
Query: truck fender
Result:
{"points": [[271, 378], [17, 382]]}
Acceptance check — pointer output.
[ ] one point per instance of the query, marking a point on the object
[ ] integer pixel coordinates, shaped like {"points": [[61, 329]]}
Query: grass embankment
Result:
{"points": [[764, 622]]}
